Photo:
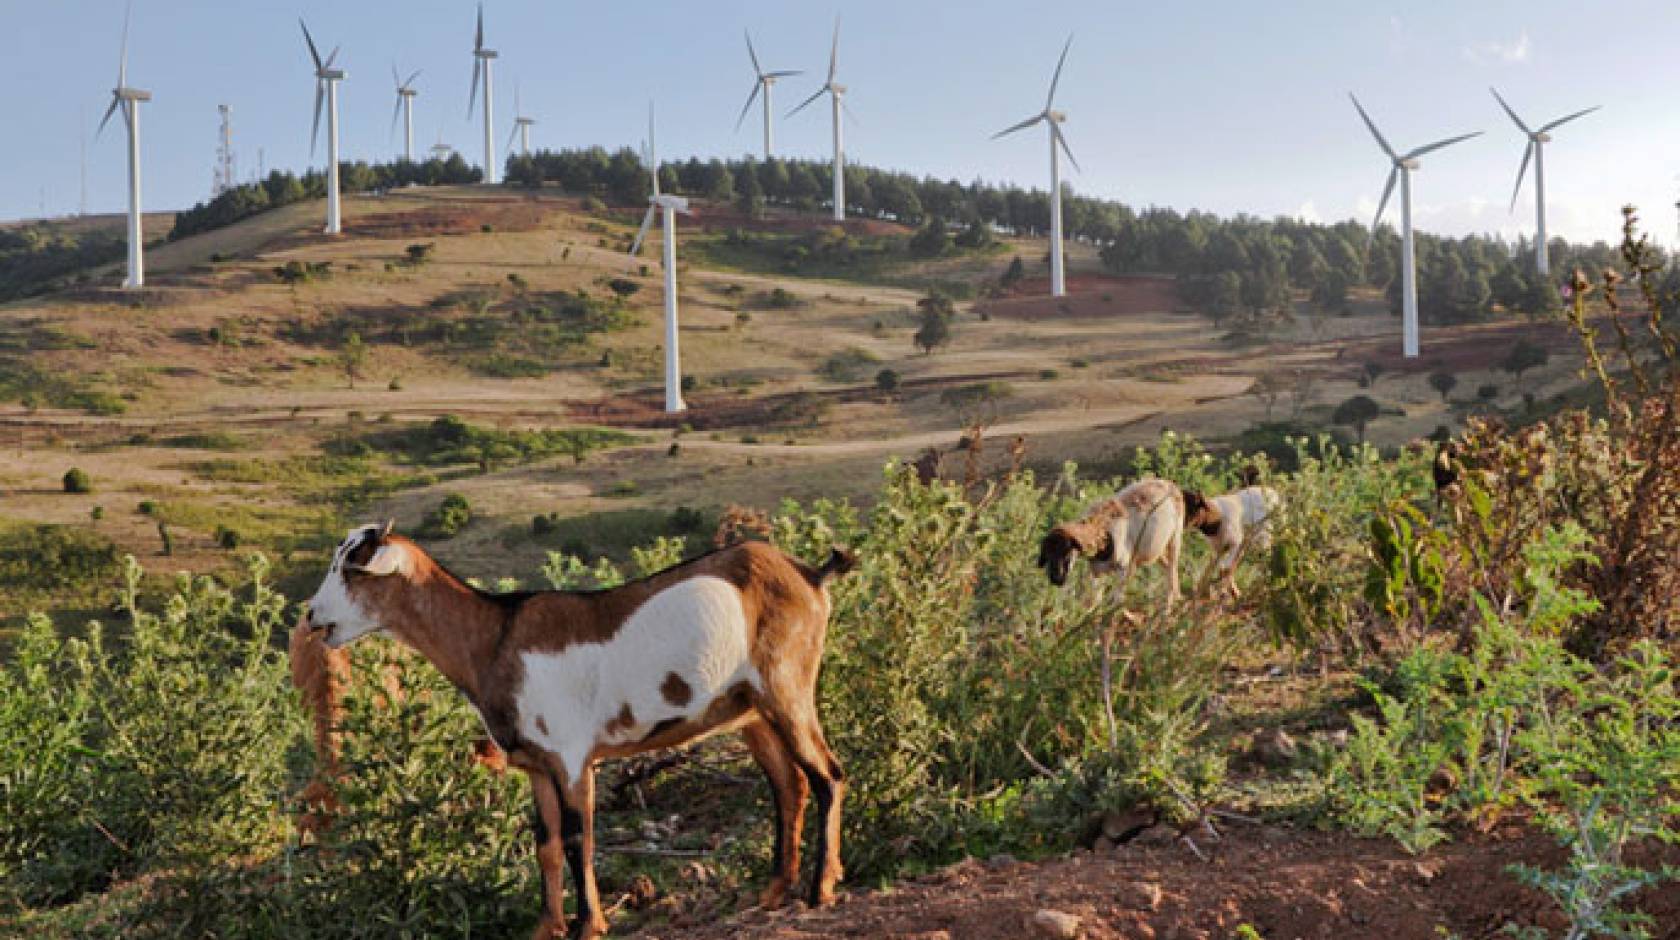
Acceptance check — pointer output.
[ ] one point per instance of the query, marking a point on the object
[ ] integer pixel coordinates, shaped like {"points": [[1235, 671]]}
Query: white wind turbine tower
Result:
{"points": [[1058, 145], [326, 91], [667, 207], [1536, 148], [762, 83], [482, 58], [838, 94], [521, 126], [405, 109], [129, 99], [1404, 164]]}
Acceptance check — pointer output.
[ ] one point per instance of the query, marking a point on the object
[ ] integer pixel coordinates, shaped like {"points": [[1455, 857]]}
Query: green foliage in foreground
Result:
{"points": [[144, 791]]}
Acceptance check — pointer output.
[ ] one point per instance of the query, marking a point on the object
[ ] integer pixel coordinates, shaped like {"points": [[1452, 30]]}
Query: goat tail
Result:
{"points": [[840, 562]]}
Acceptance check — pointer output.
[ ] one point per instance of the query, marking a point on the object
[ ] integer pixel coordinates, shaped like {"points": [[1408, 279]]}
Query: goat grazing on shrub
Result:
{"points": [[1232, 523], [1141, 525], [321, 675], [729, 641]]}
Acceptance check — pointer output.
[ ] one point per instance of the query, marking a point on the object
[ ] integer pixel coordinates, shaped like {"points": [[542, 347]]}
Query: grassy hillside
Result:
{"points": [[263, 345]]}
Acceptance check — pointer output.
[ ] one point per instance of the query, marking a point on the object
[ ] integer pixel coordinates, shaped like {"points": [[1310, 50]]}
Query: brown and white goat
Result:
{"points": [[729, 641], [1141, 525], [1232, 523]]}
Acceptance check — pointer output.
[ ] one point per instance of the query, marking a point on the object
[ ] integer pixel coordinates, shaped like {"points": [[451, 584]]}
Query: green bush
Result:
{"points": [[170, 750], [448, 518], [76, 480], [1460, 736]]}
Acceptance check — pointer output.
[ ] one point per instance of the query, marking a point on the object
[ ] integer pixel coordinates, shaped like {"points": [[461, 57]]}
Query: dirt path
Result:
{"points": [[1283, 883]]}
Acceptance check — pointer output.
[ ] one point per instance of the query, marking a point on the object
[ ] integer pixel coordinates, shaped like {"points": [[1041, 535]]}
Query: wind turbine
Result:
{"points": [[326, 89], [482, 58], [405, 108], [521, 126], [1404, 164], [440, 150], [129, 99], [1053, 119], [1536, 149], [764, 82], [838, 94], [667, 207]]}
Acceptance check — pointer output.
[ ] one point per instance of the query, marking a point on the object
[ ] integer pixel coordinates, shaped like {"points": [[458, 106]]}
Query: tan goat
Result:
{"points": [[729, 641]]}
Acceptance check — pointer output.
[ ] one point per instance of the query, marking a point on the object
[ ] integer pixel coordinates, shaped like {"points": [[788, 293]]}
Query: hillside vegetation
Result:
{"points": [[483, 365], [1511, 634]]}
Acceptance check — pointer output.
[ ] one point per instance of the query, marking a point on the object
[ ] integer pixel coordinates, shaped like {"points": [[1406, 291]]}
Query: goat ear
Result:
{"points": [[391, 558], [389, 525]]}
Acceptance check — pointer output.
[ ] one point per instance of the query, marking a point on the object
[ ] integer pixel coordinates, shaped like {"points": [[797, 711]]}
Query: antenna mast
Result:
{"points": [[227, 176]]}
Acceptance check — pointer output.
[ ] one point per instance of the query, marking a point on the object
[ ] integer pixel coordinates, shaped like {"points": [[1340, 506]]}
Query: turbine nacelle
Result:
{"points": [[485, 53], [1059, 117], [331, 75]]}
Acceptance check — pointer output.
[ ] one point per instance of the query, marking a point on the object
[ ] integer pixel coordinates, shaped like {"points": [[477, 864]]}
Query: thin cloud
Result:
{"points": [[1495, 52]]}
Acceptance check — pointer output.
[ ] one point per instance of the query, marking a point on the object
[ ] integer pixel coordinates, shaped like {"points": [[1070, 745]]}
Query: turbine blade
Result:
{"points": [[1567, 119], [834, 51], [1507, 107], [332, 57], [115, 103], [1527, 153], [1431, 148], [802, 105], [472, 96], [748, 106], [1019, 127], [411, 78], [396, 112], [1393, 177], [1056, 130], [757, 70], [314, 132], [478, 38], [848, 109], [314, 53], [511, 135], [1381, 141], [653, 147], [122, 61], [641, 233], [1050, 99], [397, 79]]}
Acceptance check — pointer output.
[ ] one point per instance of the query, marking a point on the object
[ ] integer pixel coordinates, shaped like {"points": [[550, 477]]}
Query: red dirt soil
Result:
{"points": [[1089, 296], [1464, 347], [466, 219], [719, 216], [1285, 883]]}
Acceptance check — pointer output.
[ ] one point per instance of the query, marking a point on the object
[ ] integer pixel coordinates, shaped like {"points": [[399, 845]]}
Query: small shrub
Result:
{"points": [[448, 519], [76, 480]]}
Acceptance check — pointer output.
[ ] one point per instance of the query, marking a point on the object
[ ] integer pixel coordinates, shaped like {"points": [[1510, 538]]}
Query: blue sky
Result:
{"points": [[1225, 106]]}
